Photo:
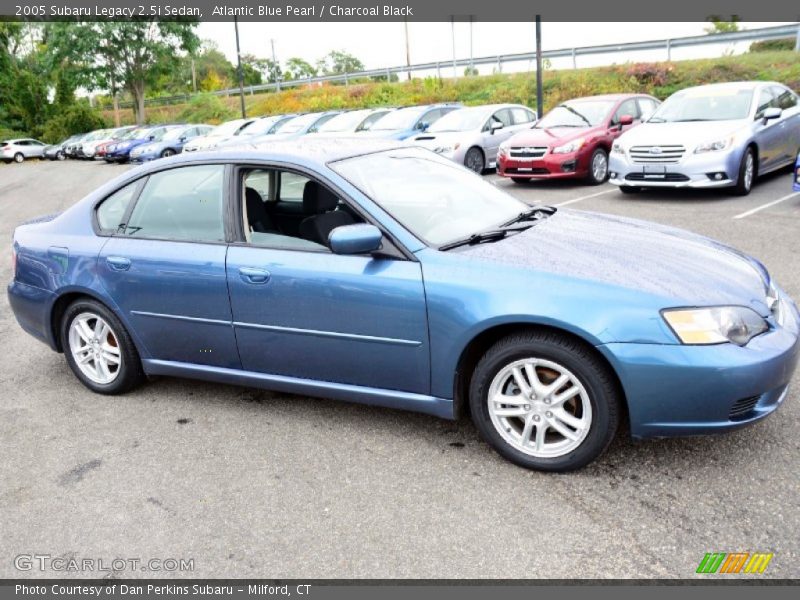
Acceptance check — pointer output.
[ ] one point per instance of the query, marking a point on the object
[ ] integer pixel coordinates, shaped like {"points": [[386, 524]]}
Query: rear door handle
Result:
{"points": [[253, 275], [118, 263]]}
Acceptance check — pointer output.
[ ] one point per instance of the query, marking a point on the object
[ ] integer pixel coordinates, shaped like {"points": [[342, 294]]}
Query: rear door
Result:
{"points": [[164, 265]]}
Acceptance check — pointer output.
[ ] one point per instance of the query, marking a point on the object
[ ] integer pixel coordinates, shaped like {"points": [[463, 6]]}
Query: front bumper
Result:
{"points": [[676, 390], [144, 157], [549, 166], [707, 170]]}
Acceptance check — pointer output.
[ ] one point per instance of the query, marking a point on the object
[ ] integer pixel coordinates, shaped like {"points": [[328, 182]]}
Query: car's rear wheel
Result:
{"points": [[167, 152], [19, 157], [598, 167], [473, 160], [544, 401], [747, 173], [630, 189], [98, 349]]}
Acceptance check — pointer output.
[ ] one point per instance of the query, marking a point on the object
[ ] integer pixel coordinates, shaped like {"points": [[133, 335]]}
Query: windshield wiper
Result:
{"points": [[532, 214], [490, 235], [691, 120]]}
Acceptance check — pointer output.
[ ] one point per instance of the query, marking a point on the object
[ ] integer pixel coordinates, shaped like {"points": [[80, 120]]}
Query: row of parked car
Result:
{"points": [[719, 135]]}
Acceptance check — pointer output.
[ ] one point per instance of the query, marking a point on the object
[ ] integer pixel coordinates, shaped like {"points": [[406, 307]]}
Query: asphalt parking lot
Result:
{"points": [[254, 484]]}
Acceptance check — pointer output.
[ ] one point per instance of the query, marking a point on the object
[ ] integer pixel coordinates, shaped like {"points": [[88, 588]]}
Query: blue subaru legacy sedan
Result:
{"points": [[373, 272]]}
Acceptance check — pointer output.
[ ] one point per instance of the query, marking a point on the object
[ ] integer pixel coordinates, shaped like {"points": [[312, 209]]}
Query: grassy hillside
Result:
{"points": [[660, 79]]}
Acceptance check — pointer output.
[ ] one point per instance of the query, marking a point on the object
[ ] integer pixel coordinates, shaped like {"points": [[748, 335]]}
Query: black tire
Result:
{"points": [[129, 374], [167, 152], [595, 376], [19, 157], [630, 189], [744, 183], [593, 178], [520, 180], [474, 160]]}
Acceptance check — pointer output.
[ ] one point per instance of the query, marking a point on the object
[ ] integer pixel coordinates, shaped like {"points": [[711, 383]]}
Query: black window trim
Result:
{"points": [[395, 249]]}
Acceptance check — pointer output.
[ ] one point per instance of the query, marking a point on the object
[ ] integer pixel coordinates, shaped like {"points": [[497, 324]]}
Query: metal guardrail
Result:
{"points": [[667, 44]]}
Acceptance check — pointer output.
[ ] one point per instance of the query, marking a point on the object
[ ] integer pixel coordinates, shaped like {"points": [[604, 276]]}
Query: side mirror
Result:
{"points": [[355, 239], [625, 120], [182, 139], [495, 126], [772, 113], [151, 138], [423, 125]]}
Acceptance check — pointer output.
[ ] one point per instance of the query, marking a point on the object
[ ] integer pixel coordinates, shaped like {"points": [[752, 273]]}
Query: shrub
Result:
{"points": [[773, 45], [76, 118], [207, 108]]}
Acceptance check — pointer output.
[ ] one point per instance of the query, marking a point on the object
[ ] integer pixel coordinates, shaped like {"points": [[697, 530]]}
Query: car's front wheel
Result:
{"points": [[98, 349], [167, 153], [473, 160], [545, 401], [747, 173], [60, 156], [598, 167]]}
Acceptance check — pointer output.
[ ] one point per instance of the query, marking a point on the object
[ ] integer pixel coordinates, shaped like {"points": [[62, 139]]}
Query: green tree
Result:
{"points": [[719, 25], [297, 68], [126, 55], [338, 62]]}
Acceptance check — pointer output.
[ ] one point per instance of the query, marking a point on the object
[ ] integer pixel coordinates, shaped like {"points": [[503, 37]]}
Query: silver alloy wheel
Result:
{"points": [[95, 348], [600, 166], [539, 407], [19, 157], [168, 152], [749, 169]]}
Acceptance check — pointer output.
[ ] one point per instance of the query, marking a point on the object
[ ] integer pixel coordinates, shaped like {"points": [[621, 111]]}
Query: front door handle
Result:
{"points": [[118, 263], [253, 275]]}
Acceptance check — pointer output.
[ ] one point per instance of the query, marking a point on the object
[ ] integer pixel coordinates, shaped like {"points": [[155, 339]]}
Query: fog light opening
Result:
{"points": [[717, 176]]}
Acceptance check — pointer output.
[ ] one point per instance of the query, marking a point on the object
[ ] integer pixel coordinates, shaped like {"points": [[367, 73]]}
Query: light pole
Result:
{"points": [[239, 66], [277, 71], [539, 99], [471, 63], [453, 36], [408, 50]]}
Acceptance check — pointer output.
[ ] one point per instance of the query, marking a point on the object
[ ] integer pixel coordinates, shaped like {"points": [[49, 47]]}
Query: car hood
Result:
{"points": [[683, 268], [685, 134], [550, 136], [149, 147]]}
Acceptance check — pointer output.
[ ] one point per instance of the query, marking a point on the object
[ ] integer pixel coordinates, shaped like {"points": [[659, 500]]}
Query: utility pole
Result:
{"points": [[408, 49], [277, 72], [797, 41], [453, 36], [239, 66], [539, 99], [471, 61], [194, 77]]}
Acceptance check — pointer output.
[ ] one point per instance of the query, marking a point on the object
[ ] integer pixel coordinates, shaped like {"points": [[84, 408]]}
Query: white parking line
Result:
{"points": [[767, 205], [574, 200]]}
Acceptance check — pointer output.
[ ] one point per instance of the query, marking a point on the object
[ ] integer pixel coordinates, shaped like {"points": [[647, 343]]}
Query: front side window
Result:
{"points": [[181, 204], [111, 212], [626, 108], [436, 200]]}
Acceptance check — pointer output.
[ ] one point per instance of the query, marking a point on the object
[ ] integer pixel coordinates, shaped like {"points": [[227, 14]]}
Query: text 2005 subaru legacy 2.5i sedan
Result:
{"points": [[389, 275]]}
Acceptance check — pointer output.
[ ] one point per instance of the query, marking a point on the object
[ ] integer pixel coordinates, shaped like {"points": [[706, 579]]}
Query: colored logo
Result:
{"points": [[734, 562]]}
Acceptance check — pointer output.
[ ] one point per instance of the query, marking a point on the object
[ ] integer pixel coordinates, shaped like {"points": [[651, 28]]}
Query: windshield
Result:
{"points": [[97, 135], [346, 121], [119, 134], [404, 118], [589, 113], [705, 104], [226, 129], [434, 198], [298, 123], [260, 126], [463, 119]]}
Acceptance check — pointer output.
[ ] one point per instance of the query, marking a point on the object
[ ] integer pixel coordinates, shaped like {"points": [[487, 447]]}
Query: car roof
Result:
{"points": [[614, 97]]}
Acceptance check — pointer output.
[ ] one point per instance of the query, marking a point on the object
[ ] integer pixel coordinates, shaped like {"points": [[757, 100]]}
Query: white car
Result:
{"points": [[21, 149], [221, 132], [718, 135]]}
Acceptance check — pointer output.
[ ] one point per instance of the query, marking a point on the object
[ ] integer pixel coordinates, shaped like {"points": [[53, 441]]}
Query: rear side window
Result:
{"points": [[181, 204], [786, 98], [113, 208], [521, 116]]}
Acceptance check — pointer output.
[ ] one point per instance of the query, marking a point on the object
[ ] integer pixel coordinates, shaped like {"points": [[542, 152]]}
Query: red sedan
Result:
{"points": [[573, 140]]}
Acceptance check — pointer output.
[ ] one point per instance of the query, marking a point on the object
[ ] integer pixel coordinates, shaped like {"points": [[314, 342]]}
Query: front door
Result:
{"points": [[301, 311]]}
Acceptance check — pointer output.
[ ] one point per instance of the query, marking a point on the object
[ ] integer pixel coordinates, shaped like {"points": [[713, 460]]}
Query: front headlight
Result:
{"points": [[617, 148], [447, 149], [715, 146], [570, 147], [715, 325], [504, 148]]}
